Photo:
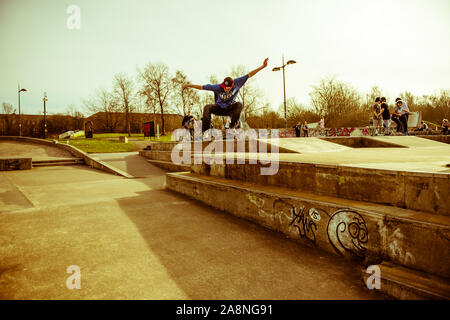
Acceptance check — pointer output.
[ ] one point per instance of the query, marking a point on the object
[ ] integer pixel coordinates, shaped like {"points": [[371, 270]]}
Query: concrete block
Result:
{"points": [[430, 193], [330, 223], [409, 284], [9, 164]]}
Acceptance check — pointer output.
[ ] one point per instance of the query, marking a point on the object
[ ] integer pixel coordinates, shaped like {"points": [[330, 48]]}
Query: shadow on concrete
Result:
{"points": [[213, 255]]}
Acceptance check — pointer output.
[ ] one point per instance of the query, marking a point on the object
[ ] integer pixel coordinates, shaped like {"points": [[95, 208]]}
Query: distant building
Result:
{"points": [[33, 125], [105, 122]]}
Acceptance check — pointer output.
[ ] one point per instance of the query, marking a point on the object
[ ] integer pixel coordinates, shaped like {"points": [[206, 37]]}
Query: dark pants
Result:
{"points": [[398, 122], [404, 121], [234, 111]]}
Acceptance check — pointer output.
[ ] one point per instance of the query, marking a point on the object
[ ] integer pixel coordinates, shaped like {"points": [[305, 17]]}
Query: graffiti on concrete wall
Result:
{"points": [[338, 132], [397, 251], [304, 224], [330, 132], [347, 232], [287, 133], [344, 229]]}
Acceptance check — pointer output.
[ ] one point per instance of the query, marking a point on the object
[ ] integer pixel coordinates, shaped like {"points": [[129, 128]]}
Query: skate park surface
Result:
{"points": [[405, 153], [31, 150], [133, 239], [384, 199]]}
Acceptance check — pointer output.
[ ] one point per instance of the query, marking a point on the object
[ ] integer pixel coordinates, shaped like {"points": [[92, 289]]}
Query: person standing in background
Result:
{"points": [[376, 113], [404, 115], [386, 116]]}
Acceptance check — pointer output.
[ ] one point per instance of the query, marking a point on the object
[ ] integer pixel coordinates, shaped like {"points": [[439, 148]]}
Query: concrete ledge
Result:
{"points": [[77, 153], [413, 190], [13, 163], [225, 145], [156, 155], [439, 138], [170, 166], [408, 284], [361, 142], [57, 162], [352, 229]]}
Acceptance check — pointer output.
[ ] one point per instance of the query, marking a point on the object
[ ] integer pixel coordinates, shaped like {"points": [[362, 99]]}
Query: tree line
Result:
{"points": [[154, 89]]}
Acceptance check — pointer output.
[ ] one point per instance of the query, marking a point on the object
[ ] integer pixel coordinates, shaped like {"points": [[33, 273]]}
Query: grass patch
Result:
{"points": [[134, 136], [117, 135], [109, 142], [100, 145]]}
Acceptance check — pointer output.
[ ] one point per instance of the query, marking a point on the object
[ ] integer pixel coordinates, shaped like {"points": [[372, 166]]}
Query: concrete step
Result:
{"points": [[362, 142], [409, 141], [15, 163], [422, 191], [354, 229], [225, 145], [156, 155], [308, 144], [58, 162], [439, 138], [409, 284], [170, 166]]}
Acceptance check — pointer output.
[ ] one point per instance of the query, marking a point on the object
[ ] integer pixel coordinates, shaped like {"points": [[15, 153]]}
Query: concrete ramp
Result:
{"points": [[11, 198], [409, 141], [303, 145], [38, 152], [130, 163]]}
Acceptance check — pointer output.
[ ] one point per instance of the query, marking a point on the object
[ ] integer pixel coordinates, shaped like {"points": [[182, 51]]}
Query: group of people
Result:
{"points": [[301, 129], [225, 104], [382, 116], [423, 127]]}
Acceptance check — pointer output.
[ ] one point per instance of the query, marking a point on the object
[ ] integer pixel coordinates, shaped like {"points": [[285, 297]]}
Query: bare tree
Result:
{"points": [[249, 95], [77, 118], [109, 108], [6, 116], [295, 112], [124, 94], [184, 100], [441, 103], [156, 84], [150, 102], [72, 111], [338, 102]]}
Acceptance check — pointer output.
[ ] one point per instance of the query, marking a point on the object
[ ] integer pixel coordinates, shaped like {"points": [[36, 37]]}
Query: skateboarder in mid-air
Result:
{"points": [[225, 98]]}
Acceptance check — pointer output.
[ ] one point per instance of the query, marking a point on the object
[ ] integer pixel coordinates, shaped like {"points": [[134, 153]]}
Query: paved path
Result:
{"points": [[132, 239], [32, 150], [420, 155]]}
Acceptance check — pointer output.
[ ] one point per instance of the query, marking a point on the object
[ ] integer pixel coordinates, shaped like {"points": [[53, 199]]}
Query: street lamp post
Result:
{"points": [[45, 114], [20, 115], [284, 86]]}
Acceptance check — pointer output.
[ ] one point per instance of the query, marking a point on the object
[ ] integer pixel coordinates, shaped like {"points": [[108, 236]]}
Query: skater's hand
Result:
{"points": [[252, 73]]}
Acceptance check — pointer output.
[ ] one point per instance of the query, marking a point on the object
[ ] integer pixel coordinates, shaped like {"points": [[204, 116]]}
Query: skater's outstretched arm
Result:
{"points": [[252, 73], [188, 85]]}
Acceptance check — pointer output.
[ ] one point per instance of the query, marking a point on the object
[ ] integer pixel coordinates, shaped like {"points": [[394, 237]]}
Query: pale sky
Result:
{"points": [[397, 45]]}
